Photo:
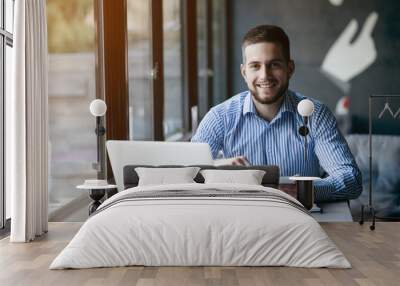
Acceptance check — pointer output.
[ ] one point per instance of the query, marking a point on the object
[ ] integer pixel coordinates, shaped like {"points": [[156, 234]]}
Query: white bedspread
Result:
{"points": [[200, 231]]}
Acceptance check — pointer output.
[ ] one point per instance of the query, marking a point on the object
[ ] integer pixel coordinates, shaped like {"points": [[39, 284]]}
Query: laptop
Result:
{"points": [[122, 153]]}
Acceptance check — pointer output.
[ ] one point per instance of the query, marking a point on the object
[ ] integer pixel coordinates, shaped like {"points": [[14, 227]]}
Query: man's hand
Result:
{"points": [[240, 161], [237, 161]]}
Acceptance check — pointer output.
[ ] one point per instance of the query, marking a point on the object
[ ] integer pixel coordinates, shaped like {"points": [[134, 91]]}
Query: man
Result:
{"points": [[260, 126]]}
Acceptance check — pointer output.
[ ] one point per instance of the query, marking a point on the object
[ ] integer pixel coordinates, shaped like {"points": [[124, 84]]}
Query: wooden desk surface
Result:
{"points": [[289, 189]]}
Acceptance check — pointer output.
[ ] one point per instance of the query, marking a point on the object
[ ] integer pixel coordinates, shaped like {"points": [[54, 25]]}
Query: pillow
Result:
{"points": [[248, 177], [162, 176]]}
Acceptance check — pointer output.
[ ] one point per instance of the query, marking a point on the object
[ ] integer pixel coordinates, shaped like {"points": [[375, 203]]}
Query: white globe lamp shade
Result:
{"points": [[98, 107], [305, 107]]}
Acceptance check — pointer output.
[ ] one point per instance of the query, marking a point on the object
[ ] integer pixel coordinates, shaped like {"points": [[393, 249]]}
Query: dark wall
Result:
{"points": [[313, 26]]}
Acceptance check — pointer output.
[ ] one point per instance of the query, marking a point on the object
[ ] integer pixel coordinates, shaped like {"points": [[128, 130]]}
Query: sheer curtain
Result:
{"points": [[27, 123]]}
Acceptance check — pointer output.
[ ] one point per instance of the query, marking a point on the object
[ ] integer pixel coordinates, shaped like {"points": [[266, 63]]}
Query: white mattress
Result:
{"points": [[183, 231]]}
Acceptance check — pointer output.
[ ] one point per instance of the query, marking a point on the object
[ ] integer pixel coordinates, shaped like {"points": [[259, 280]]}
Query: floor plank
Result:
{"points": [[374, 255]]}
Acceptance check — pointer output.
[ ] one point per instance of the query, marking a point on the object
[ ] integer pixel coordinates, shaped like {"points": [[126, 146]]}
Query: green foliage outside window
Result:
{"points": [[70, 26]]}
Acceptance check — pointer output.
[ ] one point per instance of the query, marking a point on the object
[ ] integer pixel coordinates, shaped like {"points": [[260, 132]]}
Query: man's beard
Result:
{"points": [[281, 92]]}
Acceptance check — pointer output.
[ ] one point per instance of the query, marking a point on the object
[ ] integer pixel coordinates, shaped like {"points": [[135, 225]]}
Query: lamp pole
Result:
{"points": [[305, 108], [303, 131], [98, 108], [100, 131]]}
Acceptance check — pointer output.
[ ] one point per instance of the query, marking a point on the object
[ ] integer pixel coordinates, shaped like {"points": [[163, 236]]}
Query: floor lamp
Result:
{"points": [[305, 188], [98, 108]]}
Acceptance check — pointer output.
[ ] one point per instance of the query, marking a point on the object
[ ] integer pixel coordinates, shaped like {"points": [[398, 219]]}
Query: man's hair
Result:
{"points": [[267, 33]]}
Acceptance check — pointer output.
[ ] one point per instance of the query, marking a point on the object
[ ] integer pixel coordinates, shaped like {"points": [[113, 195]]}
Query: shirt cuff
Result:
{"points": [[324, 191]]}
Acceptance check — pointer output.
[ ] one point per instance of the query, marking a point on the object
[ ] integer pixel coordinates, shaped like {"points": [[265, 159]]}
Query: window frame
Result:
{"points": [[157, 48], [112, 65], [189, 61]]}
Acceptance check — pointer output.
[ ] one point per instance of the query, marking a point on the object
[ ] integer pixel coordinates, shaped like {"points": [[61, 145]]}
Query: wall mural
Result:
{"points": [[344, 50], [348, 58]]}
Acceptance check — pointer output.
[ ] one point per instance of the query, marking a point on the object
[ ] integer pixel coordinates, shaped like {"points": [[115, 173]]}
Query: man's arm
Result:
{"points": [[344, 178], [211, 130]]}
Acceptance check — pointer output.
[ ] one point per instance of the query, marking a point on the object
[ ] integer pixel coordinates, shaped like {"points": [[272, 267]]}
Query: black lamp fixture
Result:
{"points": [[305, 188], [305, 109], [98, 108]]}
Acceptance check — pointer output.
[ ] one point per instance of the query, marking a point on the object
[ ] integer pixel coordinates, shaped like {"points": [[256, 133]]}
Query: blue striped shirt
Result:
{"points": [[235, 127]]}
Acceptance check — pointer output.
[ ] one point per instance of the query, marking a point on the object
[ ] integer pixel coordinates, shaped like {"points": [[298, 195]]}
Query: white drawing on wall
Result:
{"points": [[348, 58], [336, 2]]}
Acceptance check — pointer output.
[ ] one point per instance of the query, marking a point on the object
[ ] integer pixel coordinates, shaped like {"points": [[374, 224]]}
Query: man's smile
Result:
{"points": [[266, 84]]}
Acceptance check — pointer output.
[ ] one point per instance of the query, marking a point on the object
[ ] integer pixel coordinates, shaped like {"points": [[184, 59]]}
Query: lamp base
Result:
{"points": [[305, 190], [305, 193]]}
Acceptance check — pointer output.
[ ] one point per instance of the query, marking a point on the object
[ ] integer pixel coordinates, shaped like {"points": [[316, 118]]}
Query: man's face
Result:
{"points": [[266, 71]]}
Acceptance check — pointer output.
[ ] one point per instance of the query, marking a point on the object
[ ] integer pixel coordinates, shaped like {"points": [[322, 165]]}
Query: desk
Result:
{"points": [[332, 212], [289, 189]]}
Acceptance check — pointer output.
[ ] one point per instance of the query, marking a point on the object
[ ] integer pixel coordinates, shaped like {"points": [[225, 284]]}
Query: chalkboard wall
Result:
{"points": [[314, 26]]}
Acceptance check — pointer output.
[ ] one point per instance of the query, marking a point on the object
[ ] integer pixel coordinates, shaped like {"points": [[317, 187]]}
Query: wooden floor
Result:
{"points": [[375, 256]]}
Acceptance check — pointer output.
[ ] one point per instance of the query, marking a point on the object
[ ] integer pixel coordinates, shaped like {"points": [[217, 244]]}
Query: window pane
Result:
{"points": [[8, 67], [72, 147], [219, 51], [9, 15], [139, 65], [173, 100]]}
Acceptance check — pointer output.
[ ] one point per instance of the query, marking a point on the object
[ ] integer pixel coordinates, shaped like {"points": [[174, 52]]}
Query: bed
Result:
{"points": [[201, 224]]}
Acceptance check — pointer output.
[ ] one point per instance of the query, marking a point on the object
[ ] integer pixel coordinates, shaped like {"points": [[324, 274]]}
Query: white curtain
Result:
{"points": [[27, 123]]}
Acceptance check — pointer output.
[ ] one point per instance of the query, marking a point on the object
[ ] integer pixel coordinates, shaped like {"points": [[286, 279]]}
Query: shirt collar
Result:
{"points": [[248, 104], [288, 104]]}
